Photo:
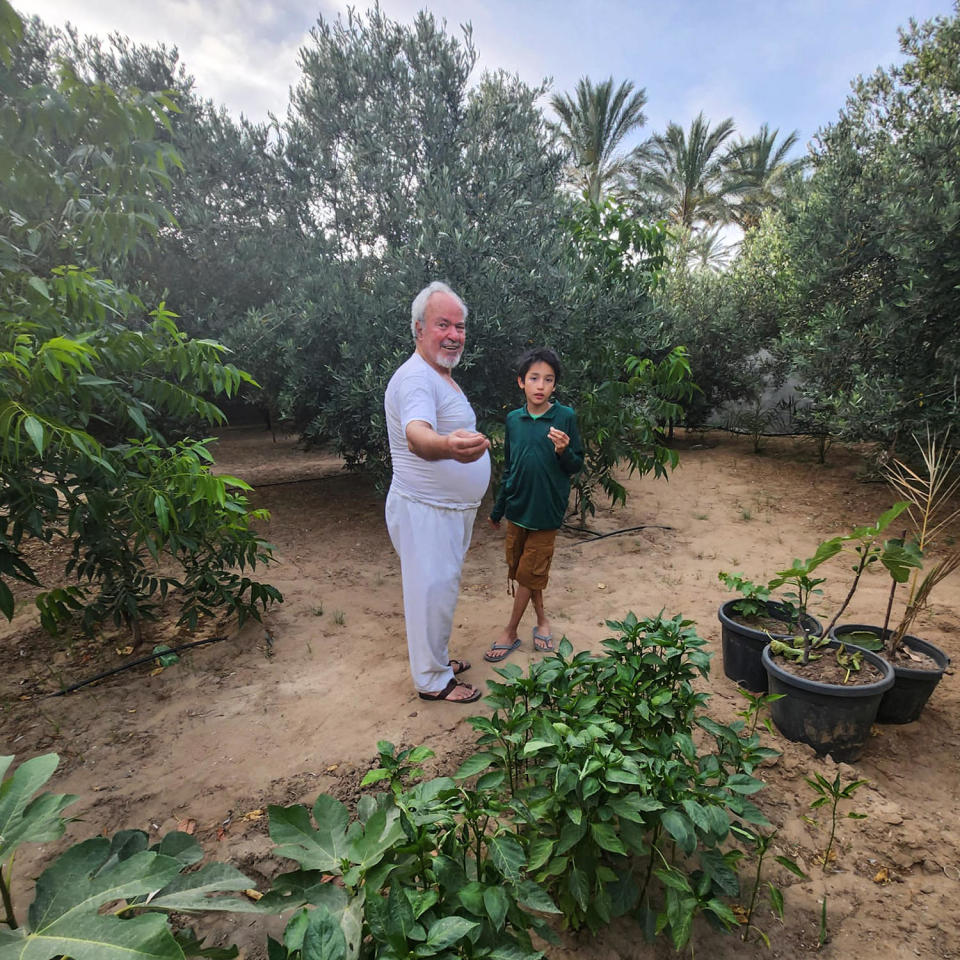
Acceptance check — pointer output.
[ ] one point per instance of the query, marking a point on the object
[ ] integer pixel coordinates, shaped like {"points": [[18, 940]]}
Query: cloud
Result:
{"points": [[243, 54], [788, 63]]}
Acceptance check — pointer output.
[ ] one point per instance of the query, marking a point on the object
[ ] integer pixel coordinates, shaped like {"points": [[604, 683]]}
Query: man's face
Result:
{"points": [[441, 335]]}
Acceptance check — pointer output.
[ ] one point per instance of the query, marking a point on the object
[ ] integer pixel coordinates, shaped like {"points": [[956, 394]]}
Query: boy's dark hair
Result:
{"points": [[539, 355]]}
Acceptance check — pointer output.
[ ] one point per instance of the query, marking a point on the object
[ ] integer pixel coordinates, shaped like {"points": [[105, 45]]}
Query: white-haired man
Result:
{"points": [[441, 470]]}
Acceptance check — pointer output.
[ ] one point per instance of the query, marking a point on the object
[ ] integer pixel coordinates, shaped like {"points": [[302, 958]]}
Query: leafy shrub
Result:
{"points": [[588, 798], [96, 390]]}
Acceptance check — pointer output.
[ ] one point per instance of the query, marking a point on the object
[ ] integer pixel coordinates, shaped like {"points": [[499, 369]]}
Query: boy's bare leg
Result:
{"points": [[543, 624], [520, 600]]}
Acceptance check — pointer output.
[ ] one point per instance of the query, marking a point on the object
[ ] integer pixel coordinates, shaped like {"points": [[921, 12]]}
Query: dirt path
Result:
{"points": [[283, 711]]}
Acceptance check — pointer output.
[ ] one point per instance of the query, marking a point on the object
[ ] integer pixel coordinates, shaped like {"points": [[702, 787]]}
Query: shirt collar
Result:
{"points": [[546, 415]]}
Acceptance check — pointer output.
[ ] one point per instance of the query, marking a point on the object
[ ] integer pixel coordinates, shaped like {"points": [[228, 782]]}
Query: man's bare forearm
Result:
{"points": [[465, 446]]}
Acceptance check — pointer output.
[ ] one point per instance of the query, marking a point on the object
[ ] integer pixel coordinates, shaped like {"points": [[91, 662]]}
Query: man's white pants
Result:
{"points": [[431, 543]]}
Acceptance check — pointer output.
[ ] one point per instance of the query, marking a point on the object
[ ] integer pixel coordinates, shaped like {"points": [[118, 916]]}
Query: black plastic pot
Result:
{"points": [[742, 645], [833, 718], [905, 700]]}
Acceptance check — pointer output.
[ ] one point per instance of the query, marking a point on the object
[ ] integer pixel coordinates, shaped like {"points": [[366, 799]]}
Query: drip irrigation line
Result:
{"points": [[593, 535], [286, 483], [132, 663]]}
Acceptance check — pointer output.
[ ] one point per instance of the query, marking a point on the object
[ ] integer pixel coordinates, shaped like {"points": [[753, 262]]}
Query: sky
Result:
{"points": [[788, 63]]}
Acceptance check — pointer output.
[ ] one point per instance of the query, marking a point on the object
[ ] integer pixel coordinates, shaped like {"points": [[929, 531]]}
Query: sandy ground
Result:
{"points": [[285, 710]]}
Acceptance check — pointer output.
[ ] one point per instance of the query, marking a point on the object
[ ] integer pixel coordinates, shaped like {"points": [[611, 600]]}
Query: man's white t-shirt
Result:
{"points": [[417, 392]]}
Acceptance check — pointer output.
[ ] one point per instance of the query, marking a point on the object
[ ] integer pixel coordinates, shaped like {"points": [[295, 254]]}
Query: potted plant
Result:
{"points": [[749, 622], [829, 696], [918, 665]]}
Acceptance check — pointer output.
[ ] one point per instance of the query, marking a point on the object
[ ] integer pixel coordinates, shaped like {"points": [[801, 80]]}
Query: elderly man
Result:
{"points": [[441, 469]]}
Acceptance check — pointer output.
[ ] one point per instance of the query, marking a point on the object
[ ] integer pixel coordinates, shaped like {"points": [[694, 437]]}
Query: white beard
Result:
{"points": [[448, 360]]}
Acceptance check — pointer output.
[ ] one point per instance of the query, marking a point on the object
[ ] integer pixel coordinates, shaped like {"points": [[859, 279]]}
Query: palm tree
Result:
{"points": [[763, 167], [593, 126], [706, 249], [683, 177]]}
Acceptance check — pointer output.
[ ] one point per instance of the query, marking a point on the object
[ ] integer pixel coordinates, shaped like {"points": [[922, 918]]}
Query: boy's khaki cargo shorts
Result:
{"points": [[529, 553]]}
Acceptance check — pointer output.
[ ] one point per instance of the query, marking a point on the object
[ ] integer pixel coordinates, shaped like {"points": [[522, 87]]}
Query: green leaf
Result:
{"points": [[507, 856], [34, 431], [532, 895], [605, 837], [496, 903], [192, 891], [26, 820], [323, 939], [375, 776], [579, 886], [743, 784], [776, 899], [448, 930], [697, 813], [539, 852], [40, 286], [471, 896], [322, 848], [722, 912], [678, 826], [136, 415], [64, 917], [474, 764], [787, 863], [675, 879]]}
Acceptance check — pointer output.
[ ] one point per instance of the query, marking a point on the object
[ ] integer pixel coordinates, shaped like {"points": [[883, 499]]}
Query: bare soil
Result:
{"points": [[280, 712]]}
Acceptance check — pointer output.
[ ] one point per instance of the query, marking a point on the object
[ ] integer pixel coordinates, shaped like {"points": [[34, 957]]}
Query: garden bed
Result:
{"points": [[281, 712]]}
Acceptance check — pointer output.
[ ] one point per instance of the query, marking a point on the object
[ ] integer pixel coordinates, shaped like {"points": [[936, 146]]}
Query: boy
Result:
{"points": [[542, 450]]}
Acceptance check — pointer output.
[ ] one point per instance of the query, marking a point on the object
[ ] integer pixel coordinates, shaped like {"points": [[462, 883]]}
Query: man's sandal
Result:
{"points": [[444, 694], [508, 648], [543, 641], [458, 666]]}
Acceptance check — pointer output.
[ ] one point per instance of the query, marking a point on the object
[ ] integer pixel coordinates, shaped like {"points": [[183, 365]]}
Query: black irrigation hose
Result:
{"points": [[593, 535], [133, 663], [285, 483]]}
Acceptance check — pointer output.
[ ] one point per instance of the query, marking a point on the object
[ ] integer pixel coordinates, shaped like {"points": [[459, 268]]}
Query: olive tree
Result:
{"points": [[875, 247]]}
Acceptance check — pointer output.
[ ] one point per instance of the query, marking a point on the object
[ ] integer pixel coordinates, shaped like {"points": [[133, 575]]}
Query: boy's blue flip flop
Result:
{"points": [[543, 641], [508, 647]]}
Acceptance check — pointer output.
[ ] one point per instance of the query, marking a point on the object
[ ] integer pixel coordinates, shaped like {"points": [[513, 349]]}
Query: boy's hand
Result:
{"points": [[560, 440], [494, 524]]}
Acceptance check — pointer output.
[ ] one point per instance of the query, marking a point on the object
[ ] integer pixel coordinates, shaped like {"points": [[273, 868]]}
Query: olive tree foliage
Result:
{"points": [[411, 174], [875, 245], [90, 376]]}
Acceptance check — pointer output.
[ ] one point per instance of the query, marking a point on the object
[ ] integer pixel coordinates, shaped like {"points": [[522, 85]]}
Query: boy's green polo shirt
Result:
{"points": [[536, 482]]}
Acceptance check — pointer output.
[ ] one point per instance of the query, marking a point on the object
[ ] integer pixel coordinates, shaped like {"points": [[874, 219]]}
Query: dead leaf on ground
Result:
{"points": [[253, 815], [601, 586], [253, 894], [332, 767], [124, 651], [882, 876], [739, 912]]}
